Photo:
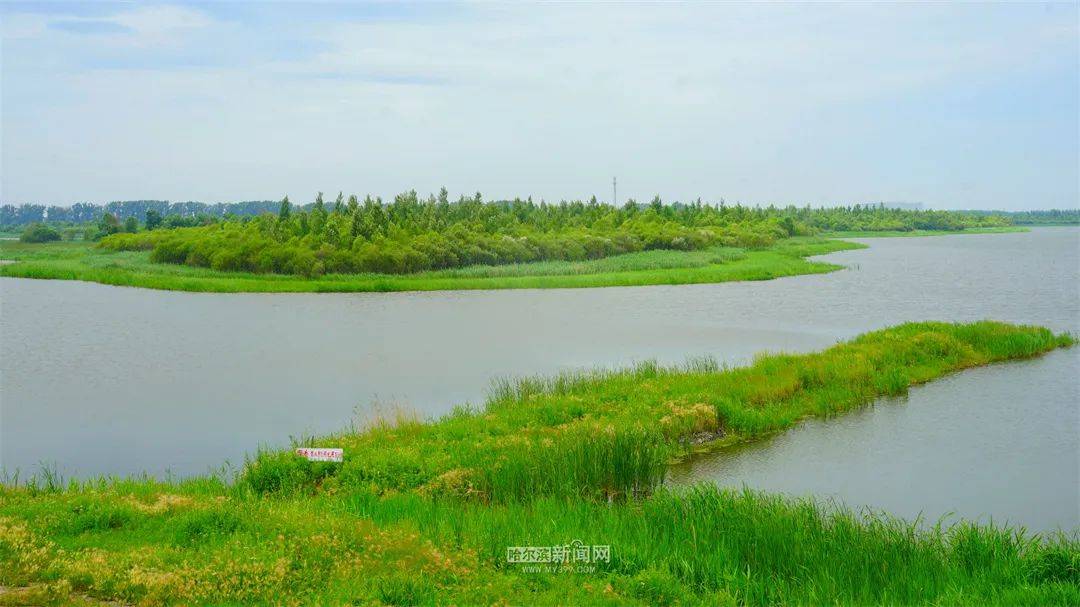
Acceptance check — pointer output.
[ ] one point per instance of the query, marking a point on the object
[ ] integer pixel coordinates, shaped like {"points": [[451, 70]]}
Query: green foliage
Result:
{"points": [[153, 219], [107, 225], [410, 235], [184, 544], [609, 435], [128, 262], [284, 472], [285, 211], [91, 515], [1052, 217], [203, 525], [39, 232], [920, 233], [1057, 561], [410, 519]]}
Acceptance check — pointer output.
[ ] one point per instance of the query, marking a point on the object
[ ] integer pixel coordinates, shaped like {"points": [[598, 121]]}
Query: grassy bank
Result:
{"points": [[899, 234], [423, 512], [84, 261]]}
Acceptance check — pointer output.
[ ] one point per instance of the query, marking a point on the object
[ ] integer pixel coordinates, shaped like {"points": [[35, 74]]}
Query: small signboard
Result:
{"points": [[320, 454]]}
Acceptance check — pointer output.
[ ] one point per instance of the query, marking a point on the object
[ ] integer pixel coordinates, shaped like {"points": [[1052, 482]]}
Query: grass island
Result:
{"points": [[434, 244]]}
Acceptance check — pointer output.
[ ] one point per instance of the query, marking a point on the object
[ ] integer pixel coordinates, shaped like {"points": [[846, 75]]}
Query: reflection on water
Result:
{"points": [[107, 380]]}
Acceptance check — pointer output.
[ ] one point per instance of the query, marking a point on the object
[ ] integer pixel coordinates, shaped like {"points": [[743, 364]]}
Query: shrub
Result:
{"points": [[39, 232]]}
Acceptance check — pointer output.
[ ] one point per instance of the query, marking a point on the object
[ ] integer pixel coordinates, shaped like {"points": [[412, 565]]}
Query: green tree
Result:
{"points": [[153, 219], [108, 224], [318, 215], [413, 234], [788, 223], [285, 210], [131, 224]]}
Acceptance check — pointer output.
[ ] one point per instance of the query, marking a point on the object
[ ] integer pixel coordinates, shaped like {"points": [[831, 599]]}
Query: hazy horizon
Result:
{"points": [[971, 106], [328, 199]]}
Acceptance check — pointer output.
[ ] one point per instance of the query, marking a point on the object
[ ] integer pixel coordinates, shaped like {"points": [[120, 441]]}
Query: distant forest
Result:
{"points": [[85, 212], [1035, 218], [195, 213]]}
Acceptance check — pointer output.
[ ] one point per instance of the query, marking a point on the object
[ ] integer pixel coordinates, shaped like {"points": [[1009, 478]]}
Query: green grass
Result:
{"points": [[898, 233], [83, 261], [610, 434], [422, 513]]}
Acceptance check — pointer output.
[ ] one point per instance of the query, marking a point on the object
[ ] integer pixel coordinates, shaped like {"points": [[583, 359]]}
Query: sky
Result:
{"points": [[952, 105]]}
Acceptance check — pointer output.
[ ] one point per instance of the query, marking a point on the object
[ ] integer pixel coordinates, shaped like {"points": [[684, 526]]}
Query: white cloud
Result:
{"points": [[162, 20], [759, 102]]}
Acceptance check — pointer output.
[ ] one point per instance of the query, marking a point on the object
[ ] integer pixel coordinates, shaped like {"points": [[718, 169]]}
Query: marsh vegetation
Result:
{"points": [[423, 512], [412, 235], [84, 261], [434, 244]]}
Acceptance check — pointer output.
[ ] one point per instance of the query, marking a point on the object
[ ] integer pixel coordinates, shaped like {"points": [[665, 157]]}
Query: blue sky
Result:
{"points": [[956, 106]]}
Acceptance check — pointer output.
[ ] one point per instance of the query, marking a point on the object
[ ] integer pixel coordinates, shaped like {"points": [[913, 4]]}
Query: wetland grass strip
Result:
{"points": [[83, 261], [424, 513], [611, 434]]}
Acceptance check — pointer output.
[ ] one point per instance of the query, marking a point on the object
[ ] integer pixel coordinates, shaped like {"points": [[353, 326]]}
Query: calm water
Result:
{"points": [[104, 380], [994, 443]]}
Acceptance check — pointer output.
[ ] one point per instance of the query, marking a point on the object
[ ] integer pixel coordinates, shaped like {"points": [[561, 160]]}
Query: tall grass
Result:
{"points": [[610, 434], [155, 544], [752, 548]]}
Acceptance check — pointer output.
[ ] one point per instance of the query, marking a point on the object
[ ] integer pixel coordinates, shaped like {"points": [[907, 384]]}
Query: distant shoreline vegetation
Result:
{"points": [[434, 243], [1052, 217], [86, 262], [176, 214], [413, 235], [920, 233]]}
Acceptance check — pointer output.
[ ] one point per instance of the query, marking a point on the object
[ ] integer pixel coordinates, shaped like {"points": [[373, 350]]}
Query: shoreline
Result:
{"points": [[82, 261], [920, 233], [79, 261]]}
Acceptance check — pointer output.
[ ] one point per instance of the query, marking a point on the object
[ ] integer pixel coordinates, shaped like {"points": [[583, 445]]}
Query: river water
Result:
{"points": [[105, 380]]}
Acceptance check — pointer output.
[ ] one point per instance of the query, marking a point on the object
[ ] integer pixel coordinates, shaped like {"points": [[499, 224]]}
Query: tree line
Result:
{"points": [[84, 212], [413, 234], [1051, 217], [180, 214]]}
